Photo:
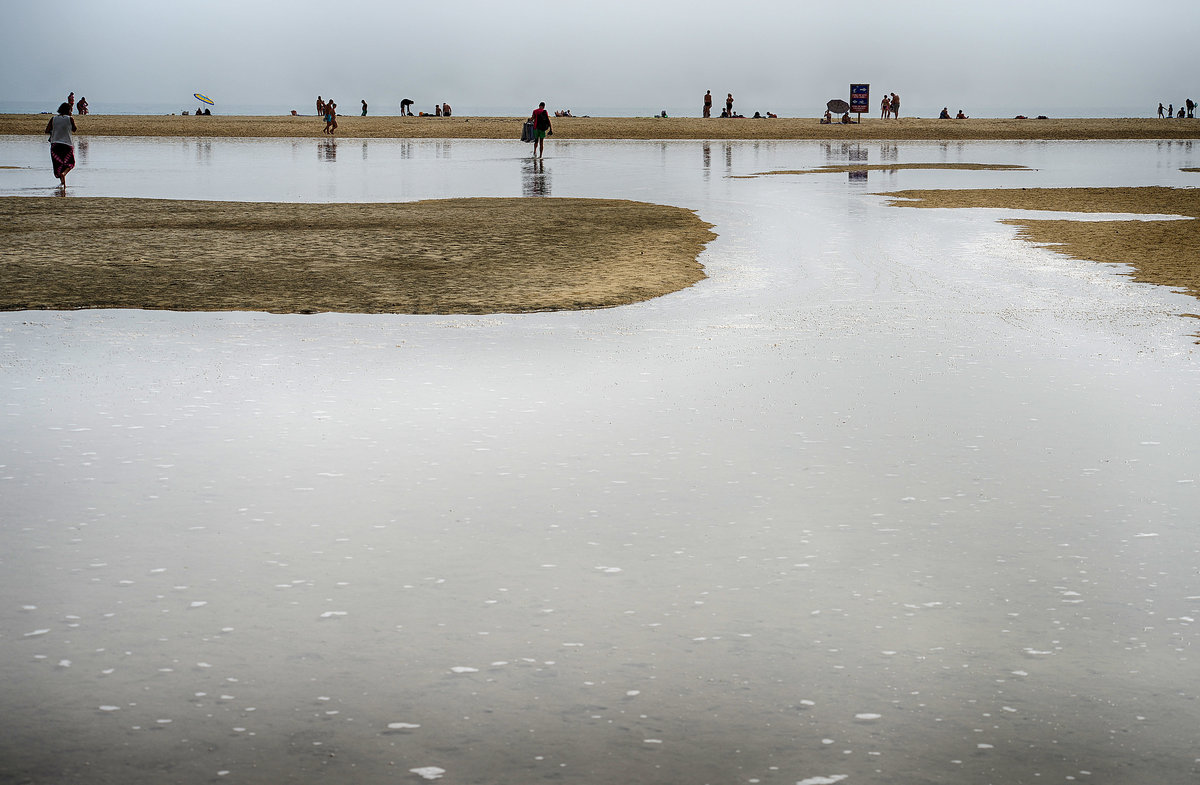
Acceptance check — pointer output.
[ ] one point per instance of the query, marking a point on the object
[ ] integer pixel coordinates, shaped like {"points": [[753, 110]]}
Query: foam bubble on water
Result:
{"points": [[651, 741], [222, 772], [827, 741], [1146, 534], [402, 725], [499, 663], [464, 669], [830, 780], [36, 633], [110, 708], [428, 772], [198, 604], [331, 614], [867, 716], [29, 607], [632, 693]]}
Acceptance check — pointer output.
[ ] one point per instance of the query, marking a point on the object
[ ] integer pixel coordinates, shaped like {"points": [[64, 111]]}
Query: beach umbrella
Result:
{"points": [[204, 98], [838, 106]]}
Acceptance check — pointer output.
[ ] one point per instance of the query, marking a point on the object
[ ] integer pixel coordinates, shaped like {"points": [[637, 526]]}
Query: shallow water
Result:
{"points": [[889, 495]]}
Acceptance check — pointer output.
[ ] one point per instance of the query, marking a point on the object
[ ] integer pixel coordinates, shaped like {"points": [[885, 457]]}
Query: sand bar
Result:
{"points": [[1160, 252], [440, 256], [613, 128]]}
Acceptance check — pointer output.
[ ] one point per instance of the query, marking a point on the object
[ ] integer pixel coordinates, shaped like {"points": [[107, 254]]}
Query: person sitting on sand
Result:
{"points": [[445, 109], [846, 119], [960, 115], [945, 115], [827, 119]]}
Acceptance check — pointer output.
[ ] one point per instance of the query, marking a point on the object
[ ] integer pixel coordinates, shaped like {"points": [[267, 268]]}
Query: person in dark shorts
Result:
{"points": [[541, 128]]}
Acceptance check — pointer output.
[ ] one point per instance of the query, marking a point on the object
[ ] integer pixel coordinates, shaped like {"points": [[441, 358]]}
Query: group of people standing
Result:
{"points": [[889, 107], [726, 112], [328, 111], [1170, 110]]}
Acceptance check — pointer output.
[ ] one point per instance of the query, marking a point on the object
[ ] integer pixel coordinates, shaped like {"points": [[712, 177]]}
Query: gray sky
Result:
{"points": [[1041, 57]]}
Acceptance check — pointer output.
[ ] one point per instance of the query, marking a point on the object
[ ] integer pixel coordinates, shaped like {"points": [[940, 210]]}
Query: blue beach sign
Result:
{"points": [[860, 98]]}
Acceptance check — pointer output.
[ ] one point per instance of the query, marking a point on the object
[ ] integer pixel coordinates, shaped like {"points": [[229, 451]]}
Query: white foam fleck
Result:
{"points": [[830, 780], [632, 693], [64, 663], [198, 604], [110, 708], [867, 716], [985, 746], [402, 725], [464, 669], [651, 741], [35, 633], [428, 772], [331, 614]]}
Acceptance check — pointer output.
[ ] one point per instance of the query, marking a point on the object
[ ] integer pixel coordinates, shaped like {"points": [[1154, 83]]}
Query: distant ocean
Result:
{"points": [[98, 106]]}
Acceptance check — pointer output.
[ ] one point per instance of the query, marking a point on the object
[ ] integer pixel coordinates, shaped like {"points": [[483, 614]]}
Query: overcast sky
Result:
{"points": [[1047, 56]]}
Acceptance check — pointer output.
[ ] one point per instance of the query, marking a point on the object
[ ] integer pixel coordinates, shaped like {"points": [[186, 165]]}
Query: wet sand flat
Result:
{"points": [[889, 496], [442, 256], [613, 128], [1161, 252]]}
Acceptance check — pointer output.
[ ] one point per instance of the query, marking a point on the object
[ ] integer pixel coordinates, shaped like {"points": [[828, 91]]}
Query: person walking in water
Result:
{"points": [[708, 103], [541, 127], [62, 147]]}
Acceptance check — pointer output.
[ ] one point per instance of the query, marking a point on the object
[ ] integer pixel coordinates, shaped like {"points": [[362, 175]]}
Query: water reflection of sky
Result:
{"points": [[888, 495]]}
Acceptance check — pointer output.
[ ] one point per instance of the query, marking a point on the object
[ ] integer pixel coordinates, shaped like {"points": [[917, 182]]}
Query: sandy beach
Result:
{"points": [[613, 128], [440, 256]]}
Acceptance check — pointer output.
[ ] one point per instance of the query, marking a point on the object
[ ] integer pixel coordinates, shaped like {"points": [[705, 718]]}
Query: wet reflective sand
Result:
{"points": [[888, 497]]}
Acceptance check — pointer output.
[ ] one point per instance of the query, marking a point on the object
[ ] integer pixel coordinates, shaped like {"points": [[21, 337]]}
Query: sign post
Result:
{"points": [[860, 99]]}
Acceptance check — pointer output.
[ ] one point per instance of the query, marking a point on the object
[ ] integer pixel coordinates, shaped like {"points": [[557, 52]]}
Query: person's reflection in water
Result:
{"points": [[706, 151], [534, 179], [364, 149], [728, 158], [81, 150], [327, 150]]}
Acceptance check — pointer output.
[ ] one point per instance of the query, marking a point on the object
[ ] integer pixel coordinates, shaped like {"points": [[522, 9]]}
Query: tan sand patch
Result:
{"points": [[354, 126], [844, 168], [1160, 252], [438, 256]]}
